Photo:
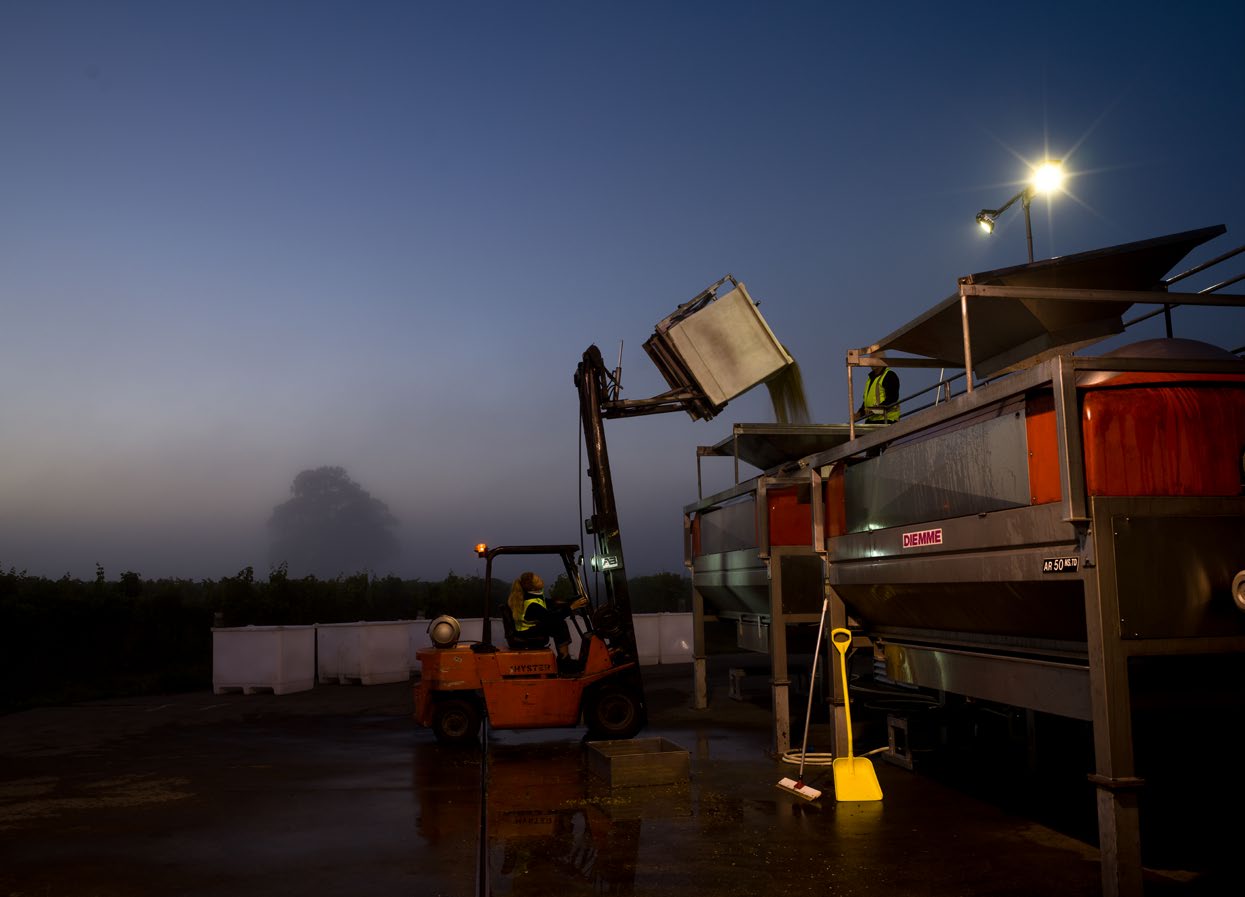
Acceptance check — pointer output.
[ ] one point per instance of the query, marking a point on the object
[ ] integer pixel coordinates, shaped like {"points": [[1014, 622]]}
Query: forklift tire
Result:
{"points": [[455, 721], [613, 712]]}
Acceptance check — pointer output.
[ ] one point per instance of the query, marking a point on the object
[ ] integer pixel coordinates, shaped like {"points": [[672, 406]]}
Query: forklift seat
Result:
{"points": [[515, 639]]}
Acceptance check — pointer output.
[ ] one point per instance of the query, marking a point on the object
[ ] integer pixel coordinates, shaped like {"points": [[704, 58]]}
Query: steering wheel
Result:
{"points": [[607, 621]]}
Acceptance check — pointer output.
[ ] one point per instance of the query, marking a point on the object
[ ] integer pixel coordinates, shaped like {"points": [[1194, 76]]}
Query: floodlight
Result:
{"points": [[1048, 177]]}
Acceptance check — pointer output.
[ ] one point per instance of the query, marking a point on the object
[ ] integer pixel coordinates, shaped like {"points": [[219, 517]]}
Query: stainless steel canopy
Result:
{"points": [[1010, 326]]}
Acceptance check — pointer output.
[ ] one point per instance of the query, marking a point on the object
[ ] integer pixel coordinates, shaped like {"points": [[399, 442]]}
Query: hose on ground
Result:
{"points": [[824, 758], [810, 759]]}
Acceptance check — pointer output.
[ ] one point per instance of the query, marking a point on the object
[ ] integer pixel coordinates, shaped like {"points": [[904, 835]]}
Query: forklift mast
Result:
{"points": [[591, 378], [720, 340]]}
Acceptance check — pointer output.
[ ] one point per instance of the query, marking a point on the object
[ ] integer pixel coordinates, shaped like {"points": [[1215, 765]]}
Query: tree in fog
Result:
{"points": [[331, 526]]}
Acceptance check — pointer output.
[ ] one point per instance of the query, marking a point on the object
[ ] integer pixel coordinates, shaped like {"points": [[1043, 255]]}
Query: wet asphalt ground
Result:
{"points": [[335, 791]]}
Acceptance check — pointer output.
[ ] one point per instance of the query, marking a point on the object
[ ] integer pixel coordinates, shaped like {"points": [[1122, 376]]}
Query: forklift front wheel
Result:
{"points": [[455, 721], [614, 712]]}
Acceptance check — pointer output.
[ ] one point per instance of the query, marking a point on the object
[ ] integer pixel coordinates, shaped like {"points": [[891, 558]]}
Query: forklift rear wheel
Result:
{"points": [[614, 712], [455, 721]]}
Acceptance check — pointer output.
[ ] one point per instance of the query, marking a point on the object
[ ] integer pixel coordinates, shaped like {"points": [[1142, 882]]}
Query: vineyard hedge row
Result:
{"points": [[69, 640]]}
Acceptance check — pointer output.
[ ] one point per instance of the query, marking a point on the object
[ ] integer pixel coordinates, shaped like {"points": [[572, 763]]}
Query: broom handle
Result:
{"points": [[812, 677]]}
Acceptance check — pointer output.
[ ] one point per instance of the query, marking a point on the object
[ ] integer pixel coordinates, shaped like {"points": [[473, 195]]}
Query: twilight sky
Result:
{"points": [[242, 239]]}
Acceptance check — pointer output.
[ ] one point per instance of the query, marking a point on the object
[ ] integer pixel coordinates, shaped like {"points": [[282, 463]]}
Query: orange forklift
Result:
{"points": [[522, 688], [709, 350]]}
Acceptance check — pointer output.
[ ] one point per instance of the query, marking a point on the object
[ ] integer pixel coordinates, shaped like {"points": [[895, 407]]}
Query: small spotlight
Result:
{"points": [[1048, 177], [985, 221], [481, 549], [605, 562]]}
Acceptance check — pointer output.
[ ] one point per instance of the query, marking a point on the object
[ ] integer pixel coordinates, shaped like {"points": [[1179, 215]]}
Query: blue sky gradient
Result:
{"points": [[243, 239]]}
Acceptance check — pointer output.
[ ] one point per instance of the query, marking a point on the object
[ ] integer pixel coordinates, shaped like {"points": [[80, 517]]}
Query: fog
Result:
{"points": [[243, 242]]}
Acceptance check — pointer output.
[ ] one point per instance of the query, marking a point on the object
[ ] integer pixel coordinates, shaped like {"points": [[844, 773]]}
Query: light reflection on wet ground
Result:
{"points": [[554, 828]]}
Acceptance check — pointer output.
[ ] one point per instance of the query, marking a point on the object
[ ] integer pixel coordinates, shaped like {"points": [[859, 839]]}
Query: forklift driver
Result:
{"points": [[535, 622]]}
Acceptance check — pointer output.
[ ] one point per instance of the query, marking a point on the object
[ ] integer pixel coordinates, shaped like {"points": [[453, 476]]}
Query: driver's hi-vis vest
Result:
{"points": [[523, 623], [876, 397]]}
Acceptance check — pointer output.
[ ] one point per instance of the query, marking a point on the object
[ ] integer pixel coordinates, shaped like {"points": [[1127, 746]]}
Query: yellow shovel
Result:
{"points": [[854, 777]]}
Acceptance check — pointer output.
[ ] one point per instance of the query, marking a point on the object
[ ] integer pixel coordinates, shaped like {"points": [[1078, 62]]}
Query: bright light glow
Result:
{"points": [[481, 549], [1048, 177], [986, 223]]}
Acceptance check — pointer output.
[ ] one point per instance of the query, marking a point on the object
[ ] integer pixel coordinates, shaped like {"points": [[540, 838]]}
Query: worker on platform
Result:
{"points": [[881, 401], [535, 622]]}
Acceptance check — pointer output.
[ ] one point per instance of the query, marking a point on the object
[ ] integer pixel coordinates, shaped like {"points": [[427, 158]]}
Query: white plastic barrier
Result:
{"points": [[369, 653], [676, 638], [660, 638], [471, 628], [250, 659], [648, 638], [417, 639], [576, 641]]}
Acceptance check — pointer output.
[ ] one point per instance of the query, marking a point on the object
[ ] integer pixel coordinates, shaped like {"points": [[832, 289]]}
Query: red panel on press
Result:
{"points": [[1043, 449], [1142, 378], [1164, 440], [790, 521], [836, 501]]}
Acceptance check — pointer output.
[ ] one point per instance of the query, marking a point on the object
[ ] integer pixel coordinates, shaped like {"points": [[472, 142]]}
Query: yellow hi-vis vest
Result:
{"points": [[523, 624], [875, 397]]}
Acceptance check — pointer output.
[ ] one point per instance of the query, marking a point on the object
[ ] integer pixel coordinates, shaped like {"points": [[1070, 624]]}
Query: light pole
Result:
{"points": [[1047, 178]]}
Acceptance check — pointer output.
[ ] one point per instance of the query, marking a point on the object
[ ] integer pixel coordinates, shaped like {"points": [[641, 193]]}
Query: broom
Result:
{"points": [[796, 786]]}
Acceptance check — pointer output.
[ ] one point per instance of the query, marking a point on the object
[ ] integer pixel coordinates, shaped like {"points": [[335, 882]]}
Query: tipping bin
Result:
{"points": [[718, 347]]}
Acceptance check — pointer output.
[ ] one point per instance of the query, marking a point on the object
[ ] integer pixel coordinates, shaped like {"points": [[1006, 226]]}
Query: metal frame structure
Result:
{"points": [[1108, 614], [1100, 315], [787, 604], [1083, 680]]}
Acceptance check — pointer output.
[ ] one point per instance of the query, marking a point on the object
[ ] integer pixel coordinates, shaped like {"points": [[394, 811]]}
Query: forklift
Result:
{"points": [[709, 350], [522, 688]]}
